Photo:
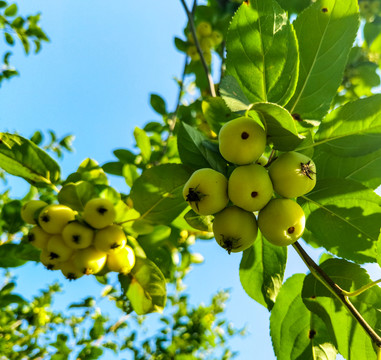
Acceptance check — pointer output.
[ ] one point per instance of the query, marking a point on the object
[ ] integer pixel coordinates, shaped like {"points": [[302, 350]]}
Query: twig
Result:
{"points": [[339, 293], [197, 43]]}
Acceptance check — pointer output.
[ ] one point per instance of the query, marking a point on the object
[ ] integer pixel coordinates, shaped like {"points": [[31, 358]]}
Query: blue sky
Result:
{"points": [[93, 80]]}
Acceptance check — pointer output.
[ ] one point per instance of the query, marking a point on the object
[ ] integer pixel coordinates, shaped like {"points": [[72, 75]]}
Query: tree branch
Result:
{"points": [[197, 43], [339, 293]]}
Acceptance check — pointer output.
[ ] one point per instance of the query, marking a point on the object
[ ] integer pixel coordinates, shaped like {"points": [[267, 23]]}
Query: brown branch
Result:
{"points": [[335, 289], [197, 43]]}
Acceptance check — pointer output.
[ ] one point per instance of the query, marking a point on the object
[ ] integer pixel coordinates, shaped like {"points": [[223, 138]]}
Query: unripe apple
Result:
{"points": [[58, 249], [281, 221], [110, 239], [242, 141], [48, 262], [29, 209], [69, 270], [193, 53], [206, 44], [77, 235], [123, 261], [206, 191], [90, 260], [250, 187], [293, 174], [235, 229], [204, 29], [38, 237], [53, 218], [99, 213], [216, 37]]}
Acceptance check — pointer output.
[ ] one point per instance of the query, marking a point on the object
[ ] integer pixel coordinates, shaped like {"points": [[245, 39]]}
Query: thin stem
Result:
{"points": [[362, 289], [197, 43], [337, 292]]}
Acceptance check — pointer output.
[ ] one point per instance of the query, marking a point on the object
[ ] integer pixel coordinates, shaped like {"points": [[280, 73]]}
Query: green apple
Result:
{"points": [[38, 237], [69, 270], [53, 218], [204, 29], [122, 261], [58, 249], [282, 221], [206, 191], [235, 229], [110, 239], [77, 235], [89, 261], [30, 208], [293, 174], [99, 213], [48, 262], [242, 141], [250, 187]]}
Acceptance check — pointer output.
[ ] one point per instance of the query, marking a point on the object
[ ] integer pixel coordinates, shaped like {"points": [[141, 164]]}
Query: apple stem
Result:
{"points": [[339, 293], [197, 43]]}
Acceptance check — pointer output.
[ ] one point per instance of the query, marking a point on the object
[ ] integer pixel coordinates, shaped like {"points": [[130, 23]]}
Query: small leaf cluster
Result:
{"points": [[26, 28]]}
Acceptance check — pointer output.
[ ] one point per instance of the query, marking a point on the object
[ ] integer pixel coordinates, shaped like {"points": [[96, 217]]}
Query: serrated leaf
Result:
{"points": [[145, 287], [76, 195], [262, 52], [195, 150], [261, 271], [352, 341], [21, 157], [331, 26], [280, 126], [199, 222], [353, 129], [365, 169], [296, 333], [216, 113], [233, 95], [350, 215], [157, 193], [143, 142]]}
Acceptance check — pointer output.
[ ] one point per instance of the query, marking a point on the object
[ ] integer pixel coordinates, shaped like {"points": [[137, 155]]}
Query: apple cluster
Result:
{"points": [[254, 187], [208, 38], [78, 244]]}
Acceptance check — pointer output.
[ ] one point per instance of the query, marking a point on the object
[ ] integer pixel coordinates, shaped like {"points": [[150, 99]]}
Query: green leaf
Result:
{"points": [[296, 333], [352, 341], [294, 6], [371, 31], [8, 299], [157, 193], [216, 113], [158, 104], [350, 215], [11, 214], [76, 195], [3, 4], [365, 169], [130, 173], [233, 95], [261, 271], [113, 168], [143, 143], [196, 152], [262, 52], [145, 287], [331, 26], [21, 157], [199, 222], [14, 255], [11, 10], [91, 171], [9, 39], [280, 126], [353, 129], [159, 234], [125, 156]]}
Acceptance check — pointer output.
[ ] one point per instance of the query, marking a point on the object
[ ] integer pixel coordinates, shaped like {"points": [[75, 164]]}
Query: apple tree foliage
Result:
{"points": [[310, 69]]}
